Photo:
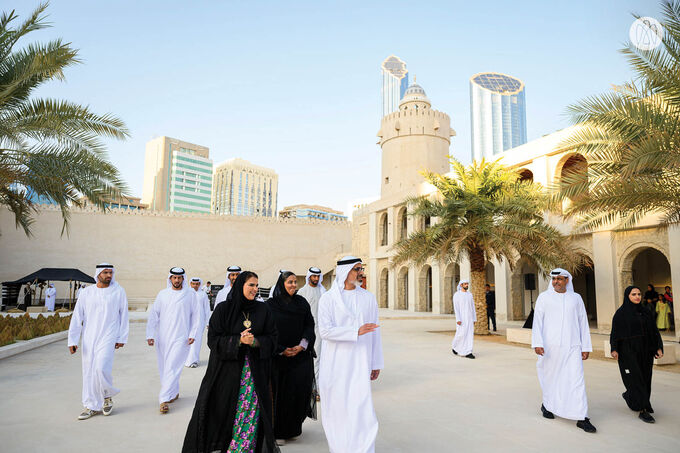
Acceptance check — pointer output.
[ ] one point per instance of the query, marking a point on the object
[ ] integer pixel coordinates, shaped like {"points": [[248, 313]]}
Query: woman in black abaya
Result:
{"points": [[635, 342], [293, 364], [233, 411]]}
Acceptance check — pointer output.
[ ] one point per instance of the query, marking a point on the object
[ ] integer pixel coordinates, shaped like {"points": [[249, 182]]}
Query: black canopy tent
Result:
{"points": [[49, 274], [54, 273]]}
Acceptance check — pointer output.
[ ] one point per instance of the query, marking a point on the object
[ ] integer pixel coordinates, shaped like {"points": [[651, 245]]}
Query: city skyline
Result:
{"points": [[293, 86]]}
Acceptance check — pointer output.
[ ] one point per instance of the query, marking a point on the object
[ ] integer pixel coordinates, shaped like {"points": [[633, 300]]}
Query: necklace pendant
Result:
{"points": [[247, 323]]}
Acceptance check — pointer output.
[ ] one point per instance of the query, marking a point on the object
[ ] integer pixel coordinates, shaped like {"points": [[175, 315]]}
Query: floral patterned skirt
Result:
{"points": [[244, 436]]}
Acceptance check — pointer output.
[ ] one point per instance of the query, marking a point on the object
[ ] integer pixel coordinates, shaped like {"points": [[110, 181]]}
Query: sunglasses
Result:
{"points": [[358, 269]]}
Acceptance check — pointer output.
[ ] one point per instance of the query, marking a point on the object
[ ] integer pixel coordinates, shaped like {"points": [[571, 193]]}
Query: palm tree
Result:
{"points": [[49, 149], [484, 212], [630, 137]]}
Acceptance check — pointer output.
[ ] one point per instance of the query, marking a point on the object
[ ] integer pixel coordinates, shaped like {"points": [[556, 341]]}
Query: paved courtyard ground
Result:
{"points": [[426, 399]]}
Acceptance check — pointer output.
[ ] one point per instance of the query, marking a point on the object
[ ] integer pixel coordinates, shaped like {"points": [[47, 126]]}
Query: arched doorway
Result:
{"points": [[384, 289], [402, 222], [573, 170], [383, 229], [651, 266], [645, 265], [425, 289], [490, 275], [584, 284], [451, 279], [402, 289], [525, 175], [524, 288]]}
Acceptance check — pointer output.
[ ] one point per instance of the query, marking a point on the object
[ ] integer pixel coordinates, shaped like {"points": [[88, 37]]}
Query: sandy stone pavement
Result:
{"points": [[426, 399]]}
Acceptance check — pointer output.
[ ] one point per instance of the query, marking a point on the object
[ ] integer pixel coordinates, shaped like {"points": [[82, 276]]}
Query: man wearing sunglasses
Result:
{"points": [[351, 358]]}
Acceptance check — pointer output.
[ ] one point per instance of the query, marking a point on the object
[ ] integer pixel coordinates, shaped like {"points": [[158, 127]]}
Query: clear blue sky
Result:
{"points": [[295, 85]]}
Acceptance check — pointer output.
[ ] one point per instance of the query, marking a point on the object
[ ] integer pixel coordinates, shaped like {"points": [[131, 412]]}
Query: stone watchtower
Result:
{"points": [[414, 139]]}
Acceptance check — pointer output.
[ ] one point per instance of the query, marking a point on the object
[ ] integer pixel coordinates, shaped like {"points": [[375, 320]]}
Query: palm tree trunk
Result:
{"points": [[477, 282]]}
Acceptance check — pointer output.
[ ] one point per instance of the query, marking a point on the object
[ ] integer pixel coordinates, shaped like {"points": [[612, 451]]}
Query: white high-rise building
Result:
{"points": [[243, 188], [394, 83]]}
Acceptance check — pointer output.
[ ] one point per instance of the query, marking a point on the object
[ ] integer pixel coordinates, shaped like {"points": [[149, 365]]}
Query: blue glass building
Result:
{"points": [[498, 114], [394, 84]]}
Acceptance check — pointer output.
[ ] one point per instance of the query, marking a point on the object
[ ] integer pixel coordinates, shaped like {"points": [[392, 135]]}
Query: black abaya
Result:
{"points": [[292, 377], [212, 421], [636, 339]]}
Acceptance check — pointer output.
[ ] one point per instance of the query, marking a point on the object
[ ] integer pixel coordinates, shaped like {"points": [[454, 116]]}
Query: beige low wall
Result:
{"points": [[518, 335], [145, 245]]}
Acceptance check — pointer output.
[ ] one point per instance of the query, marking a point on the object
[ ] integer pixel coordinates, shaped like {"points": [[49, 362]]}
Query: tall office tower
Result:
{"points": [[177, 176], [498, 114], [242, 188], [394, 83]]}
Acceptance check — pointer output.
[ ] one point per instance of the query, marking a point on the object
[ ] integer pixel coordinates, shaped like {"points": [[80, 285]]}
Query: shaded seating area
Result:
{"points": [[13, 296]]}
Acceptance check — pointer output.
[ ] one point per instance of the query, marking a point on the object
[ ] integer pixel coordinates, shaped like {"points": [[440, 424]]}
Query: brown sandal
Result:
{"points": [[174, 399], [164, 408]]}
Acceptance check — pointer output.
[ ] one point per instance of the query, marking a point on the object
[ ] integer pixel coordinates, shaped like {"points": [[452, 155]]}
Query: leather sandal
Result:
{"points": [[164, 408]]}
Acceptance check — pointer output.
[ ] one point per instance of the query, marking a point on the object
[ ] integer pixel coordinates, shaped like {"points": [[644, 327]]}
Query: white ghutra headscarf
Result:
{"points": [[103, 266], [559, 272], [177, 271]]}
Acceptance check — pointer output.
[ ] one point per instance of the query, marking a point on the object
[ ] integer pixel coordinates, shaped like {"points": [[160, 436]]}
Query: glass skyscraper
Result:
{"points": [[394, 84], [498, 114]]}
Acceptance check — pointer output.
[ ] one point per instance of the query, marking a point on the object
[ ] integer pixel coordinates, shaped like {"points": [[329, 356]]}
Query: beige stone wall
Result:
{"points": [[412, 141], [144, 245]]}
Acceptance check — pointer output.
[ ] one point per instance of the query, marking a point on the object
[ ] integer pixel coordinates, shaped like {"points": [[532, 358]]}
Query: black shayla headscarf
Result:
{"points": [[280, 287]]}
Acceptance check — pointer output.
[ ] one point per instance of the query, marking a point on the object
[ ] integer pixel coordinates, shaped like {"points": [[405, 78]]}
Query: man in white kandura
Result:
{"points": [[466, 316], [101, 315], [352, 358], [50, 297], [561, 337], [312, 292], [232, 273], [174, 320], [206, 289], [204, 310]]}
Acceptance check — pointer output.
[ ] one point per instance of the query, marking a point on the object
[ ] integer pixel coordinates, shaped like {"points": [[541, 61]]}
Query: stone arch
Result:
{"points": [[402, 223], [491, 275], [382, 229], [645, 263], [525, 174], [425, 289], [384, 288], [584, 285], [571, 164], [522, 298], [451, 279], [402, 289]]}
